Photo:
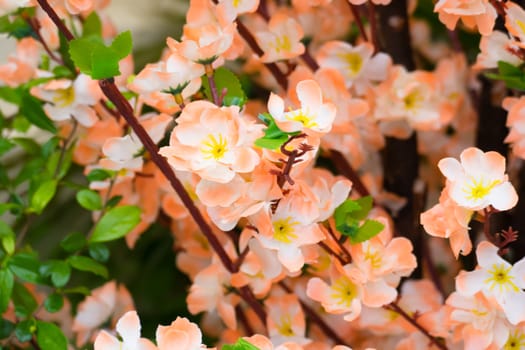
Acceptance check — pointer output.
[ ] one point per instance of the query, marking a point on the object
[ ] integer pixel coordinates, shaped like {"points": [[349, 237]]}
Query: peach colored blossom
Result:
{"points": [[358, 64], [237, 7], [498, 279], [448, 220], [66, 99], [282, 41], [314, 114], [479, 180], [180, 334], [495, 48], [477, 321], [128, 327], [105, 302], [285, 320], [22, 66], [516, 123], [214, 142], [515, 22], [473, 13]]}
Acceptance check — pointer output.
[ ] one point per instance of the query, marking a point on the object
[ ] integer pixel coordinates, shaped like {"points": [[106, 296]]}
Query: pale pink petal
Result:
{"points": [[469, 283], [514, 307], [128, 326], [503, 197], [451, 168], [106, 341]]}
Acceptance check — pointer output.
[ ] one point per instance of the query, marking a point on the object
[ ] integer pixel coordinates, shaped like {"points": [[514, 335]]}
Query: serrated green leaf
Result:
{"points": [[83, 263], [63, 49], [80, 51], [89, 199], [122, 44], [104, 63], [25, 303], [32, 109], [45, 192], [226, 80], [6, 328], [273, 136], [92, 25], [73, 242], [50, 337], [270, 143], [241, 344], [7, 282], [54, 302], [365, 204], [99, 252], [369, 229], [116, 223], [508, 69], [26, 267], [24, 330]]}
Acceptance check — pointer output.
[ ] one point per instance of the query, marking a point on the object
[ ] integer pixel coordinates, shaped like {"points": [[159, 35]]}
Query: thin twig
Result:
{"points": [[358, 20]]}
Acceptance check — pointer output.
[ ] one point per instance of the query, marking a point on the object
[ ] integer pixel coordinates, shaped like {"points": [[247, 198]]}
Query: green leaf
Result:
{"points": [[99, 175], [80, 52], [241, 344], [50, 337], [73, 242], [113, 201], [5, 146], [54, 302], [89, 199], [29, 145], [365, 204], [60, 273], [77, 290], [32, 109], [18, 28], [273, 136], [7, 282], [45, 192], [104, 63], [7, 237], [6, 328], [116, 223], [226, 80], [11, 95], [92, 25], [122, 44], [368, 230], [25, 303], [24, 330], [49, 147], [99, 252], [508, 69], [83, 263], [26, 267], [270, 143]]}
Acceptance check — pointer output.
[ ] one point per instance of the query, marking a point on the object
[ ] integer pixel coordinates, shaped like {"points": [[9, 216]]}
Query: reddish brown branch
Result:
{"points": [[54, 17]]}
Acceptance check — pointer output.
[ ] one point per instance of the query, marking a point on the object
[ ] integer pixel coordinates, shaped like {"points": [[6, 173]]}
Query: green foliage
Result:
{"points": [[99, 175], [92, 25], [225, 80], [24, 330], [25, 303], [89, 199], [45, 192], [273, 136], [514, 77], [241, 344], [32, 109], [7, 237], [50, 337], [349, 218], [83, 263], [6, 328], [15, 27], [99, 252], [54, 302], [116, 223], [26, 266], [7, 282], [73, 242], [94, 58]]}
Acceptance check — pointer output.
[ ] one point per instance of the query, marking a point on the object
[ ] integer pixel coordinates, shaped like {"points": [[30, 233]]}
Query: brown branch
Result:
{"points": [[347, 171], [54, 17], [396, 308], [358, 20]]}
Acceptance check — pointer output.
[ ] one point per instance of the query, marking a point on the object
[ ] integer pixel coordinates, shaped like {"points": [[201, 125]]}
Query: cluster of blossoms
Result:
{"points": [[272, 241]]}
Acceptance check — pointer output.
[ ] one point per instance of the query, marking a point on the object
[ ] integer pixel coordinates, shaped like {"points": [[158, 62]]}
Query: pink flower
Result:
{"points": [[479, 180], [282, 40], [285, 320], [214, 142], [313, 115], [128, 327], [497, 279], [181, 334], [474, 13]]}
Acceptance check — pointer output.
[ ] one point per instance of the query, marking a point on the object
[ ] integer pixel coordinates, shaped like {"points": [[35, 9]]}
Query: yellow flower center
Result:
{"points": [[477, 189], [344, 291], [285, 328], [501, 278], [521, 25], [374, 258], [64, 97], [413, 100], [516, 341], [284, 230], [236, 3], [302, 116], [354, 62], [282, 43], [214, 147]]}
